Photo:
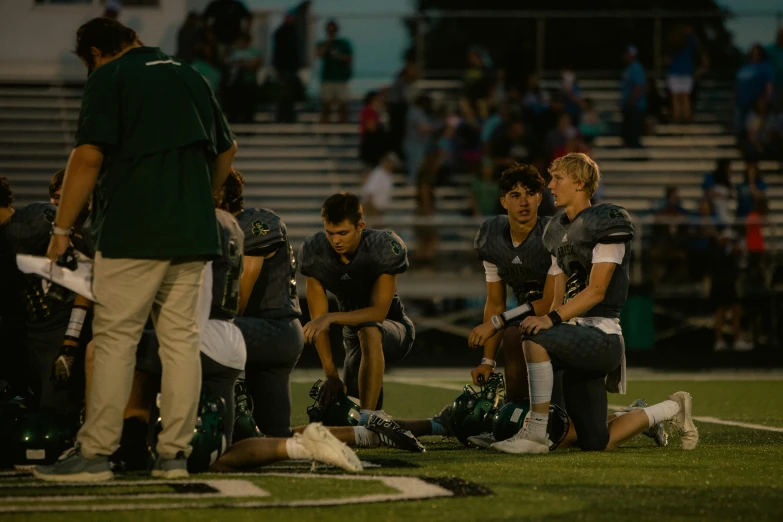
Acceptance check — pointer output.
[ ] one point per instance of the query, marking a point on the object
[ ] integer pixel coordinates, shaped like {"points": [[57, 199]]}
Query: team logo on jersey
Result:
{"points": [[565, 237], [259, 228], [516, 261], [396, 247], [615, 214], [49, 214], [346, 277]]}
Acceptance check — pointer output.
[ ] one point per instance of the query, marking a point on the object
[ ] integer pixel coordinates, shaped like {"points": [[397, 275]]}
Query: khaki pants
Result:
{"points": [[128, 291]]}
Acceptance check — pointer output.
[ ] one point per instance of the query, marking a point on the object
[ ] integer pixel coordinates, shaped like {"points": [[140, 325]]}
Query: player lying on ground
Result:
{"points": [[582, 335]]}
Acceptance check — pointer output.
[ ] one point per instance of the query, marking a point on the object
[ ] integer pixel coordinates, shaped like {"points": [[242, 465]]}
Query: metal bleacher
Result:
{"points": [[291, 168]]}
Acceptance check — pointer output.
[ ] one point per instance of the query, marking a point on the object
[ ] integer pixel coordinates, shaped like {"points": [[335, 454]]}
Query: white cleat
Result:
{"points": [[524, 442], [324, 447], [742, 345], [683, 421], [485, 440]]}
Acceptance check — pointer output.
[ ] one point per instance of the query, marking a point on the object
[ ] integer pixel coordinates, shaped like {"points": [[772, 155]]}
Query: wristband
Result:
{"points": [[555, 318], [520, 312], [498, 323], [57, 231], [489, 362], [74, 330]]}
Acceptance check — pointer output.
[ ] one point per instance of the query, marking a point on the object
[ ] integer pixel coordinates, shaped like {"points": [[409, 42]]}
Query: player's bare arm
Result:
{"points": [[593, 294], [251, 269], [382, 295], [318, 306], [81, 175]]}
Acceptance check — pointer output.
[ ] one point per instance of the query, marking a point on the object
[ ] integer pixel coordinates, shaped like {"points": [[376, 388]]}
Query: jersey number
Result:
{"points": [[230, 302]]}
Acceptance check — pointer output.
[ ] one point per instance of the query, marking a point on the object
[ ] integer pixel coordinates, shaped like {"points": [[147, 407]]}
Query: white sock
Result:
{"points": [[540, 379], [537, 424], [296, 451], [662, 411], [365, 438]]}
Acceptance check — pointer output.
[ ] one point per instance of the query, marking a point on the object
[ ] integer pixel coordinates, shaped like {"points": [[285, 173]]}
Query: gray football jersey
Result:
{"points": [[523, 268], [572, 243], [274, 295], [379, 252], [227, 269]]}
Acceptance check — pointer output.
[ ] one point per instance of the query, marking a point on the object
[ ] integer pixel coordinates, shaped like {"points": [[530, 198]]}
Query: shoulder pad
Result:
{"points": [[610, 224], [490, 227], [313, 247], [389, 251], [264, 231]]}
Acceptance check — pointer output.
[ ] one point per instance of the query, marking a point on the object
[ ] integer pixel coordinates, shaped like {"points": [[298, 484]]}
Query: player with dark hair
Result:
{"points": [[581, 335], [56, 186], [100, 38], [360, 267], [268, 309]]}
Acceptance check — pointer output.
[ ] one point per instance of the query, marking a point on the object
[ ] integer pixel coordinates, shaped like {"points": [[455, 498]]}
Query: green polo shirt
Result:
{"points": [[332, 69], [160, 129]]}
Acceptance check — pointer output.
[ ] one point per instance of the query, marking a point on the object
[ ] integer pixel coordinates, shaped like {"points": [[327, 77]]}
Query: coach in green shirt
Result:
{"points": [[154, 145]]}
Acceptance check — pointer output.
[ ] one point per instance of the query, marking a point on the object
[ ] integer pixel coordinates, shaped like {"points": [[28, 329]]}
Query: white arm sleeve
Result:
{"points": [[491, 272], [609, 253], [554, 269]]}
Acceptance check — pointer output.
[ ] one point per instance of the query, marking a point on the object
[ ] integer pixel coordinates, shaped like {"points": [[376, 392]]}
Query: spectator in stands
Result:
{"points": [[189, 36], [207, 66], [775, 57], [485, 192], [684, 50], [756, 131], [718, 190], [439, 159], [285, 60], [418, 130], [754, 80], [477, 87], [336, 69], [56, 186], [669, 239], [242, 88], [373, 143], [634, 99], [112, 9], [378, 189], [702, 233], [400, 95], [725, 271], [535, 98], [591, 125], [750, 190], [754, 238], [558, 138], [228, 19], [657, 106], [509, 145], [571, 94], [498, 118]]}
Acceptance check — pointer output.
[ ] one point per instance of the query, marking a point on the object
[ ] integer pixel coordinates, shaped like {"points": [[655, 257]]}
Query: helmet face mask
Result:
{"points": [[472, 411], [342, 412]]}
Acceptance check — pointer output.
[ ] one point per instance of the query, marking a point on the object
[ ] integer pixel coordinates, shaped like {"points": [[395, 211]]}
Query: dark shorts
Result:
{"points": [[217, 380], [396, 338], [585, 355]]}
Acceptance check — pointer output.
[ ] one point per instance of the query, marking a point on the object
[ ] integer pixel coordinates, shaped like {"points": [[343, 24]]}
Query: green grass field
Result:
{"points": [[736, 473]]}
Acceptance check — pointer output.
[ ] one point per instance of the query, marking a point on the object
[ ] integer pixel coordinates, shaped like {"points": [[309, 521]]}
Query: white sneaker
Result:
{"points": [[720, 346], [683, 420], [524, 441], [742, 345], [324, 447], [485, 440]]}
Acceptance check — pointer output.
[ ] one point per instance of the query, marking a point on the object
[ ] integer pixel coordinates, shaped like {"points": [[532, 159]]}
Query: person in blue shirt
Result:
{"points": [[682, 71], [634, 99], [753, 81], [775, 56], [751, 189]]}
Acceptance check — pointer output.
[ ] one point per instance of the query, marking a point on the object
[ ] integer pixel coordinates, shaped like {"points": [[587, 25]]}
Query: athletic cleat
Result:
{"points": [[742, 345], [392, 434], [176, 468], [524, 442], [656, 432], [720, 346], [72, 467], [485, 440], [444, 419], [324, 447], [683, 421]]}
